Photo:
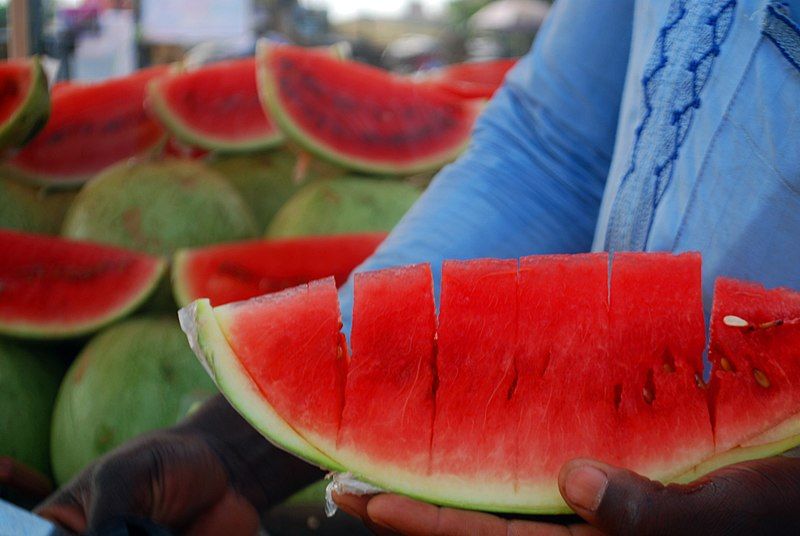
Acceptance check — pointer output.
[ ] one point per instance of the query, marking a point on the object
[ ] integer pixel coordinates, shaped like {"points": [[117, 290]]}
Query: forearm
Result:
{"points": [[261, 472]]}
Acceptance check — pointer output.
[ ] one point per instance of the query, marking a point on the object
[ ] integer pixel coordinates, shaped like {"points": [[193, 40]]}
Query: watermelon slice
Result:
{"points": [[478, 297], [24, 101], [91, 127], [215, 107], [756, 381], [528, 368], [474, 80], [55, 288], [658, 332], [235, 272], [562, 365], [361, 117]]}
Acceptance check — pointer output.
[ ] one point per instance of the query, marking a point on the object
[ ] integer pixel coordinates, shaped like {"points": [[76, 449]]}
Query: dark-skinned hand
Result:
{"points": [[212, 474], [757, 497]]}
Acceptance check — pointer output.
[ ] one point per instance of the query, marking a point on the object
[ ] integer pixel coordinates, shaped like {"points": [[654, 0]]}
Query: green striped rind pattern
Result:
{"points": [[32, 115]]}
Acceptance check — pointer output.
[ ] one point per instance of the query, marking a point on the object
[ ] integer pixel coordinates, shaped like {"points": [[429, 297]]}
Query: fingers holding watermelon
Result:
{"points": [[756, 497]]}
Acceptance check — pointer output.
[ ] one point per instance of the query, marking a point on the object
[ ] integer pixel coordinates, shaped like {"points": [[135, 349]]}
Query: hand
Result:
{"points": [[212, 474], [757, 497], [175, 480]]}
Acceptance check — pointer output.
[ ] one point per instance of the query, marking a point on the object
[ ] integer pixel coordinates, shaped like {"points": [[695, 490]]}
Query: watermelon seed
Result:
{"points": [[761, 378], [669, 362], [617, 395], [735, 322], [726, 365], [698, 380]]}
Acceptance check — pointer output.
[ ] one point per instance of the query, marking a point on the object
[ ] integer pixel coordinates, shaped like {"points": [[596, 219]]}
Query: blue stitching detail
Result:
{"points": [[626, 234], [782, 31]]}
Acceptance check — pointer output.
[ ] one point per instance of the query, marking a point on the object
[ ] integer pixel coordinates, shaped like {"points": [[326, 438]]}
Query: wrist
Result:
{"points": [[259, 471]]}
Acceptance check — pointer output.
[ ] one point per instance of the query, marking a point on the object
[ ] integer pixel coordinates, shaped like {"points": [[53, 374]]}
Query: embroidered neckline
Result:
{"points": [[684, 74]]}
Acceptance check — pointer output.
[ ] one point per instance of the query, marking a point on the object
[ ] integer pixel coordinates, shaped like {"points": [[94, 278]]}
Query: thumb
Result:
{"points": [[758, 497]]}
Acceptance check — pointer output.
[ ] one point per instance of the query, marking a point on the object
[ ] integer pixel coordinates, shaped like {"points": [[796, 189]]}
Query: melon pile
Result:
{"points": [[122, 200], [528, 365]]}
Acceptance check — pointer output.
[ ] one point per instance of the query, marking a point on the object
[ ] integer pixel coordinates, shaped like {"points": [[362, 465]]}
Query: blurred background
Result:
{"points": [[97, 39], [166, 164]]}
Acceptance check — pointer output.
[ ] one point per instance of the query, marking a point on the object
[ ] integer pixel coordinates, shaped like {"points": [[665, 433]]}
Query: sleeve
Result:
{"points": [[533, 177]]}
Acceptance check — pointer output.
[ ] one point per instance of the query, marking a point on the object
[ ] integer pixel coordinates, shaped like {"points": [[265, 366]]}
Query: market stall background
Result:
{"points": [[133, 372]]}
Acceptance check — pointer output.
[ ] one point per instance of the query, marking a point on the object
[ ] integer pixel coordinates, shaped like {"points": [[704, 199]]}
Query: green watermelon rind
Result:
{"points": [[738, 455], [268, 91], [70, 331], [173, 122], [181, 263], [211, 347], [32, 114]]}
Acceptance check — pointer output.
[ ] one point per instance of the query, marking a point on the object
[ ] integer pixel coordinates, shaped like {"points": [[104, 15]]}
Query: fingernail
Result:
{"points": [[585, 486]]}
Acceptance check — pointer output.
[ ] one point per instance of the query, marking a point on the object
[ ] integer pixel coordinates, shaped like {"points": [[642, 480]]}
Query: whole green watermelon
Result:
{"points": [[28, 385], [134, 377], [158, 207], [344, 205]]}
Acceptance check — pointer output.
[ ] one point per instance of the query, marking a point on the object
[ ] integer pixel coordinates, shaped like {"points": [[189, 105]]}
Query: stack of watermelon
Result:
{"points": [[160, 184]]}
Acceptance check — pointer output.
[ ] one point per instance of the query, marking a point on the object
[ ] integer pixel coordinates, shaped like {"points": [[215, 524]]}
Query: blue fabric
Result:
{"points": [[632, 124]]}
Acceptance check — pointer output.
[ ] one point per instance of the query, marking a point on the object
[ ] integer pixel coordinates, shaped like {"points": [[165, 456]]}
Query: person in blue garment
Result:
{"points": [[632, 125]]}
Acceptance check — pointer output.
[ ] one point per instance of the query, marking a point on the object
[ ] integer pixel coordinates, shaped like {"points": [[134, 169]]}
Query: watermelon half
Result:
{"points": [[215, 107], [363, 118], [530, 364], [91, 126], [55, 288], [238, 271], [24, 101]]}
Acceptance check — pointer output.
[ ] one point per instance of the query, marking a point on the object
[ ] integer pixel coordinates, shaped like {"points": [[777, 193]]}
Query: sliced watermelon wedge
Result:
{"points": [[361, 117], [91, 127], [24, 101], [234, 272], [215, 107], [528, 367], [202, 328], [56, 288], [755, 386], [473, 80]]}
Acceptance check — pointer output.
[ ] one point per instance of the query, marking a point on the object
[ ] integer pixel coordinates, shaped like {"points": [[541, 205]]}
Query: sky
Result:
{"points": [[347, 9]]}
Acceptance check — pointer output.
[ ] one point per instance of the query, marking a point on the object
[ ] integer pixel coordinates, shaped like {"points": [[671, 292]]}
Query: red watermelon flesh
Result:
{"points": [[388, 411], [50, 287], [291, 346], [474, 80], [91, 126], [595, 371], [16, 78], [233, 272], [657, 339], [359, 116], [562, 366], [755, 383], [215, 107], [476, 341]]}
